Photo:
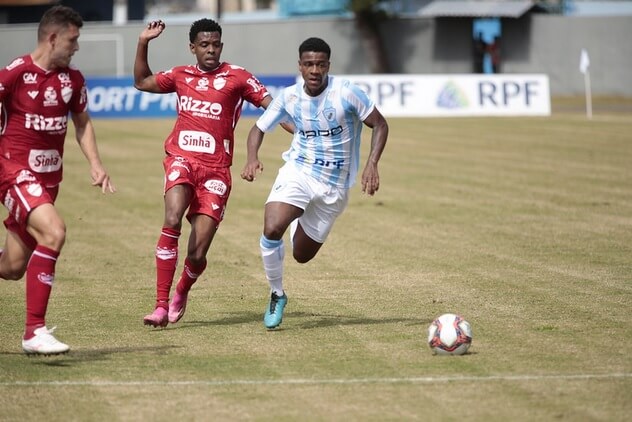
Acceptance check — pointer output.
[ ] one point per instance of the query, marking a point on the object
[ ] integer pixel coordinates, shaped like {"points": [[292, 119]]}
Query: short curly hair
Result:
{"points": [[203, 25], [316, 45]]}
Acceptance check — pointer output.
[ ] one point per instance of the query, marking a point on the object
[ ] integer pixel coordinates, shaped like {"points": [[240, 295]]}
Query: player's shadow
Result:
{"points": [[234, 318], [311, 320], [76, 356], [303, 320]]}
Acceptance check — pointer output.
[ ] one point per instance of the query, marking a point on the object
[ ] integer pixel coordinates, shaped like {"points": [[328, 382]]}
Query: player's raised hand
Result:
{"points": [[153, 30]]}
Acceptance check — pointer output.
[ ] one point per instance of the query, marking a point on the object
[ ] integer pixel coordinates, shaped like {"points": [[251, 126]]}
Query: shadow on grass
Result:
{"points": [[303, 320], [79, 355]]}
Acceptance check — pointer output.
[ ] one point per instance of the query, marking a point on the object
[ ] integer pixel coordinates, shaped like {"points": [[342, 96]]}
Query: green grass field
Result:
{"points": [[522, 225]]}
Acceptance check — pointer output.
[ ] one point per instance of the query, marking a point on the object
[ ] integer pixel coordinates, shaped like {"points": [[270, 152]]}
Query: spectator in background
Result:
{"points": [[493, 50], [480, 48]]}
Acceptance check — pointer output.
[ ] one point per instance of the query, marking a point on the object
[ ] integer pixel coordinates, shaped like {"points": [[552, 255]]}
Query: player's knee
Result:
{"points": [[197, 259], [54, 237], [273, 233], [173, 221], [12, 273], [302, 258]]}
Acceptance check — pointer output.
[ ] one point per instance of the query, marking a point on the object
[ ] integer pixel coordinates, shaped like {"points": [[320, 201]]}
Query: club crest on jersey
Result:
{"points": [[330, 114], [34, 189], [219, 83], [29, 78], [50, 97], [173, 175], [202, 85], [66, 93]]}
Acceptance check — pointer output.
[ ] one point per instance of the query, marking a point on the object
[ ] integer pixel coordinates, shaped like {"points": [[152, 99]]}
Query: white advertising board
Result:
{"points": [[457, 95]]}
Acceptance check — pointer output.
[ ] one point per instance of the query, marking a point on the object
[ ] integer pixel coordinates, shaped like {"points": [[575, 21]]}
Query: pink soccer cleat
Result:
{"points": [[177, 307], [156, 319]]}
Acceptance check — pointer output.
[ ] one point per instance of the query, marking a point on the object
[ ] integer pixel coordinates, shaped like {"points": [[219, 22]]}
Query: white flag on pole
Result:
{"points": [[584, 61]]}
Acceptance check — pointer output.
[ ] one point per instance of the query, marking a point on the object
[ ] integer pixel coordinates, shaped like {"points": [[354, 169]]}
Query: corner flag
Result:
{"points": [[584, 61]]}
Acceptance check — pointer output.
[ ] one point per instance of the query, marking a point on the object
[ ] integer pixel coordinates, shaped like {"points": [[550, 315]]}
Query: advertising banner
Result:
{"points": [[458, 95], [117, 98], [395, 96]]}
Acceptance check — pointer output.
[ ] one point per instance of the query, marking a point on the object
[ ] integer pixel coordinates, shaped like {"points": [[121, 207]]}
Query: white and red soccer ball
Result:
{"points": [[449, 334]]}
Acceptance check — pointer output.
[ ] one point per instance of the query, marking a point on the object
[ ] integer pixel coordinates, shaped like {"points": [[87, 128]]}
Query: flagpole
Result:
{"points": [[588, 94]]}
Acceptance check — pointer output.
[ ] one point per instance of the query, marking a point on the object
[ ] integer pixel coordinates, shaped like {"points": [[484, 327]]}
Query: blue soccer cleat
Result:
{"points": [[274, 314]]}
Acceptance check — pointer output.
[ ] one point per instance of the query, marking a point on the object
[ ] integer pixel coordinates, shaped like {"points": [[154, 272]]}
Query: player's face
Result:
{"points": [[207, 49], [314, 67], [65, 43]]}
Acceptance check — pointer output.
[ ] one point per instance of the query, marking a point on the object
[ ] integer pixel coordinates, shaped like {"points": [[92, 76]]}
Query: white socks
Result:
{"points": [[272, 253]]}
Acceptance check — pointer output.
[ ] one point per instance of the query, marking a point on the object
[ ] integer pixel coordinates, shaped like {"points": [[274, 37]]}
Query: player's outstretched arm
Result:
{"points": [[144, 79], [253, 165], [87, 142], [379, 135]]}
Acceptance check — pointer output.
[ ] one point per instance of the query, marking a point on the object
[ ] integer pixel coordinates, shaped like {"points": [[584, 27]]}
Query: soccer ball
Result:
{"points": [[449, 334]]}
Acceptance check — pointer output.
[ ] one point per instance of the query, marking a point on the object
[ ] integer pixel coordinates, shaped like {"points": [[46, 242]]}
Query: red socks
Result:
{"points": [[189, 276], [40, 274], [166, 262]]}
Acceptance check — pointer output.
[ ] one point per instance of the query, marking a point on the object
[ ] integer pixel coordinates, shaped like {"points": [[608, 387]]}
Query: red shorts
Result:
{"points": [[22, 192], [211, 186]]}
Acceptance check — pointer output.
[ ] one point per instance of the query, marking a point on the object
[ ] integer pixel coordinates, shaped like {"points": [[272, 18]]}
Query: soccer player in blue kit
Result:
{"points": [[312, 187]]}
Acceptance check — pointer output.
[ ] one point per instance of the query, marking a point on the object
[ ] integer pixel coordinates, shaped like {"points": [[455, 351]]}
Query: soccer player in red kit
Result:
{"points": [[199, 153], [37, 92]]}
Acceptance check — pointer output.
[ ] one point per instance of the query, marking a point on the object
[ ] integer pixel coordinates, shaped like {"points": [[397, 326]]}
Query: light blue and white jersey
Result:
{"points": [[326, 143]]}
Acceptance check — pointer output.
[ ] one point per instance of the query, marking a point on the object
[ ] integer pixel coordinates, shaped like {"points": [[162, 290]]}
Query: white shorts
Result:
{"points": [[321, 203]]}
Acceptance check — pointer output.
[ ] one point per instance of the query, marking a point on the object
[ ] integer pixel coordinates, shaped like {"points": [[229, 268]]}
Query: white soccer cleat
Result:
{"points": [[44, 343]]}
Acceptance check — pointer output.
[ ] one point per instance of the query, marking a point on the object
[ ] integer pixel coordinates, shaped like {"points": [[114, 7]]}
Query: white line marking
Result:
{"points": [[412, 380]]}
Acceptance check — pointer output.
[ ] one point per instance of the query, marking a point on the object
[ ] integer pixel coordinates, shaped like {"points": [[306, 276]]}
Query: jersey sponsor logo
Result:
{"points": [[83, 99], [9, 202], [49, 124], [33, 94], [50, 97], [215, 186], [192, 140], [320, 132], [202, 84], [25, 176], [29, 78], [199, 107], [15, 63], [255, 84], [44, 160], [320, 162], [64, 78], [219, 83], [66, 93]]}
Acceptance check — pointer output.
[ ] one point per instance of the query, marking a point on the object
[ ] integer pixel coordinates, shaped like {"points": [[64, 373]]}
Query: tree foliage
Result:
{"points": [[367, 16]]}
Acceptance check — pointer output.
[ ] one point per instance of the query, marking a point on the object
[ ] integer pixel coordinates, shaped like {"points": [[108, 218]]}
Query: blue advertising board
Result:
{"points": [[111, 97]]}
